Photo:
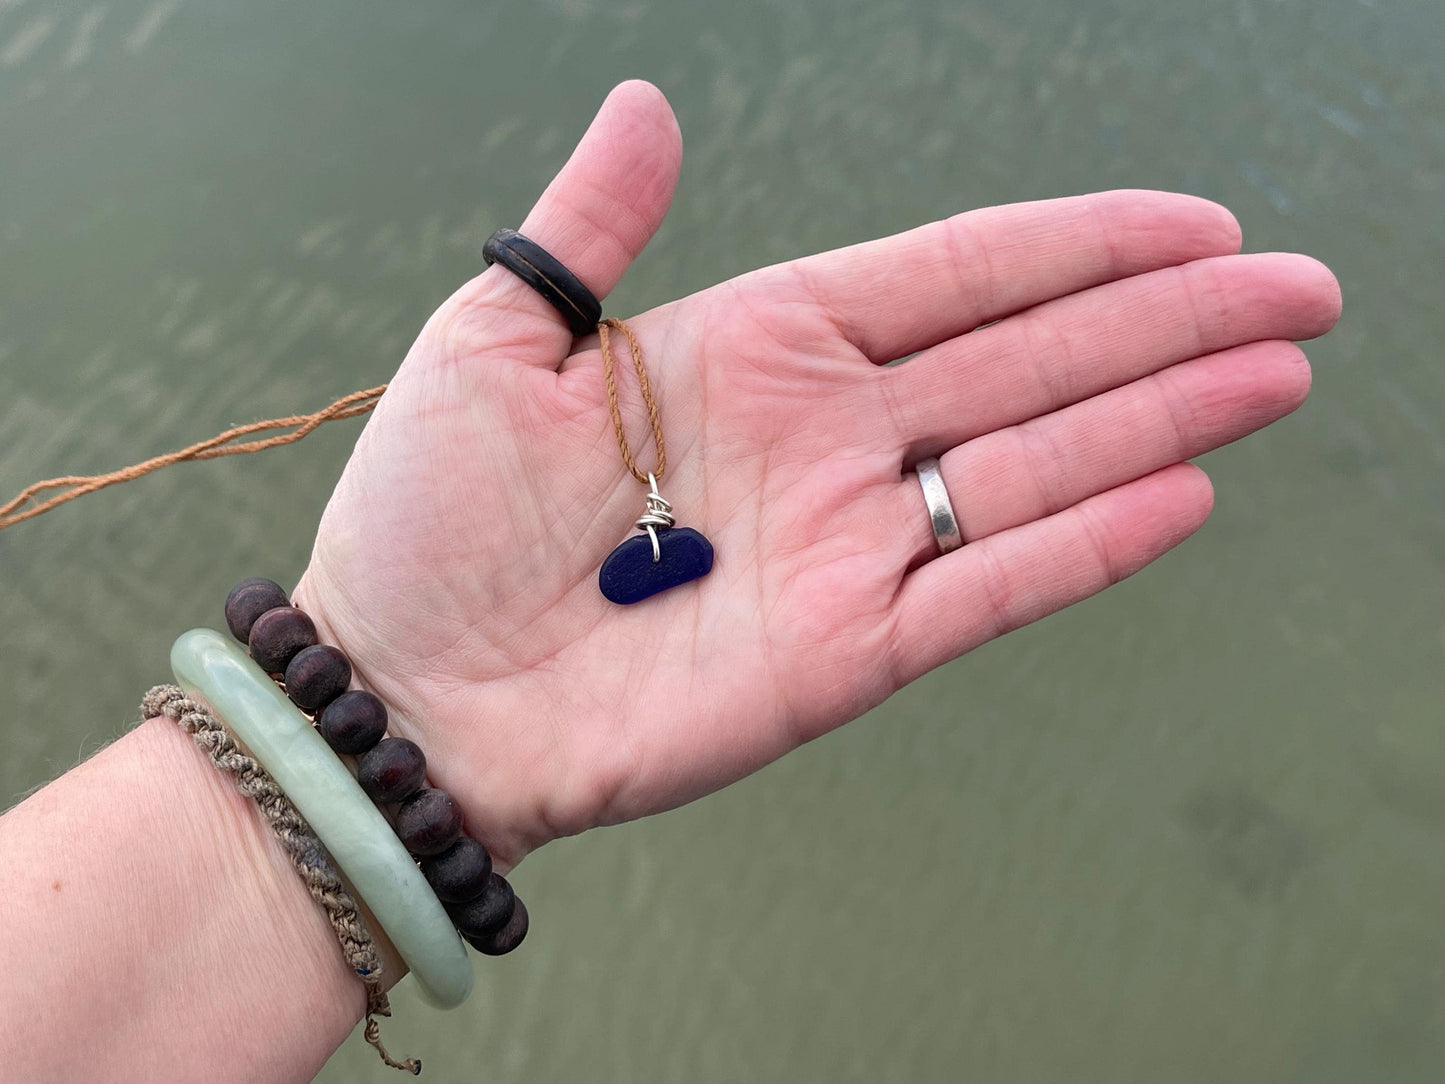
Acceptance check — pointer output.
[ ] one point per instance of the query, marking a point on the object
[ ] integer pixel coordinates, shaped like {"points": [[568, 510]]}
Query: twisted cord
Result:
{"points": [[27, 504], [307, 853], [653, 416], [348, 406]]}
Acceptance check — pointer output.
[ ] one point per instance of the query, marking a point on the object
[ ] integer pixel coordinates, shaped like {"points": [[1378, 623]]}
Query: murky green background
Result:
{"points": [[1188, 831]]}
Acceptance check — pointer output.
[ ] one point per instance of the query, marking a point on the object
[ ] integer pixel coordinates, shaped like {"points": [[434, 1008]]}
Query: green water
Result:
{"points": [[1191, 830]]}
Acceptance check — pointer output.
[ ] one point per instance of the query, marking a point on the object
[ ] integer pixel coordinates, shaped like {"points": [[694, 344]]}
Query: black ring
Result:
{"points": [[546, 274]]}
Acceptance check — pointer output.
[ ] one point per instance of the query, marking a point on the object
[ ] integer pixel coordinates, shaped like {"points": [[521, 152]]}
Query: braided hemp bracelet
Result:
{"points": [[306, 852]]}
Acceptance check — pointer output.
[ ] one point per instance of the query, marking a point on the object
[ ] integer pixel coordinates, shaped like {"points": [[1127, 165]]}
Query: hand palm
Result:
{"points": [[457, 561]]}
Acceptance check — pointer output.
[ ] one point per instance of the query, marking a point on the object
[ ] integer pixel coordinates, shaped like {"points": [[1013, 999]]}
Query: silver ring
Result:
{"points": [[940, 508]]}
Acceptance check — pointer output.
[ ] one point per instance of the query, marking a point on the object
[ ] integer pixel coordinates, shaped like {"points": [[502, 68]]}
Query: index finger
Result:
{"points": [[895, 295]]}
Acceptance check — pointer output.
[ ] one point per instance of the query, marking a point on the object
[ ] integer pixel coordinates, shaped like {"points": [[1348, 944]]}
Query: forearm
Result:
{"points": [[154, 929]]}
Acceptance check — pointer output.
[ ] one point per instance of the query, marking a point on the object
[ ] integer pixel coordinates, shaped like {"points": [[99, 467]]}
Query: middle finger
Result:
{"points": [[1066, 350]]}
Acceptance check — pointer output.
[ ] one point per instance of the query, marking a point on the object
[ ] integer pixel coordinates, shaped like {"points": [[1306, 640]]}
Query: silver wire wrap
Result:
{"points": [[657, 513]]}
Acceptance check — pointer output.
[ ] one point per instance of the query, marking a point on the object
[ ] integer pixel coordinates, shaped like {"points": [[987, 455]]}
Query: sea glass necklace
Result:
{"points": [[666, 555]]}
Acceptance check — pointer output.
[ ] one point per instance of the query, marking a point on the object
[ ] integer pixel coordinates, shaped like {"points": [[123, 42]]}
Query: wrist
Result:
{"points": [[143, 871], [253, 864], [502, 819]]}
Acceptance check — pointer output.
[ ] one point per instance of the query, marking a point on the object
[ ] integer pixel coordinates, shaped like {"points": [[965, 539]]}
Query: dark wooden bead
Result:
{"points": [[429, 821], [504, 939], [278, 635], [353, 722], [248, 600], [489, 912], [316, 676], [460, 872], [392, 770]]}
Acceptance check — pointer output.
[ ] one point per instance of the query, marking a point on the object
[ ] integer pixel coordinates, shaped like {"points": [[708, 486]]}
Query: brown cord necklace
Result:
{"points": [[669, 555], [639, 568]]}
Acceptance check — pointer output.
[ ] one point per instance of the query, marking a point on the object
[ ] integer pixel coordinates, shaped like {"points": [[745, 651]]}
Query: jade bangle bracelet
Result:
{"points": [[212, 668]]}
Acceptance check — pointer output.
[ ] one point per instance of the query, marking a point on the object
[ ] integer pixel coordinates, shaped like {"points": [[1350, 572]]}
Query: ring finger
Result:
{"points": [[1024, 472]]}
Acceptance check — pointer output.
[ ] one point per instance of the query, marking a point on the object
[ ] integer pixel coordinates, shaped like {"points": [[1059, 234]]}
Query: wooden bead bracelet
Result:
{"points": [[282, 640]]}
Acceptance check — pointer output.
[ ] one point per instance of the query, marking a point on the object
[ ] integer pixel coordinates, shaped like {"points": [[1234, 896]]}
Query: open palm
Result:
{"points": [[1070, 356]]}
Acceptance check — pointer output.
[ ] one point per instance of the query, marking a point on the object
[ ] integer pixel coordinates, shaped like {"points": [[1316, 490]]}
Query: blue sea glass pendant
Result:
{"points": [[667, 556]]}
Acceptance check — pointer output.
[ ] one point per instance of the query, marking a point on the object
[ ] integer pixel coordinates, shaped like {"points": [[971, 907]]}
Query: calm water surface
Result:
{"points": [[1188, 831]]}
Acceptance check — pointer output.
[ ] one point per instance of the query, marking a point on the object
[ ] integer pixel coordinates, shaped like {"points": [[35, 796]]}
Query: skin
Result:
{"points": [[1071, 356], [456, 562]]}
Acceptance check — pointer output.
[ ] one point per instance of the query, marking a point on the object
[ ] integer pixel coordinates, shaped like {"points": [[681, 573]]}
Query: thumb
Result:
{"points": [[595, 216]]}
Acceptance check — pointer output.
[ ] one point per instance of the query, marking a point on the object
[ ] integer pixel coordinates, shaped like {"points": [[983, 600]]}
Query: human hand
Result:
{"points": [[1074, 354]]}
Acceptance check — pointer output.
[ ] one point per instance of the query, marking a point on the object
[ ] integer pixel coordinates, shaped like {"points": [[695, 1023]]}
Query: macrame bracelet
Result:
{"points": [[305, 851], [282, 640]]}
